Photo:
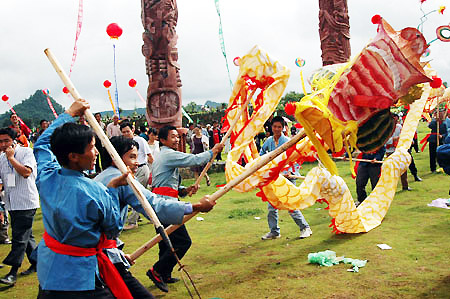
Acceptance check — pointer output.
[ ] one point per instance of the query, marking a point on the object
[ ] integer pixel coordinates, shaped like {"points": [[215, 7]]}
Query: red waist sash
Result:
{"points": [[167, 191], [108, 272]]}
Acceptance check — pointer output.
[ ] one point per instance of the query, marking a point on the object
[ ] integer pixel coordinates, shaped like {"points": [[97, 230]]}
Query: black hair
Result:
{"points": [[278, 119], [164, 132], [143, 129], [42, 120], [190, 124], [122, 146], [8, 131], [126, 124], [12, 113], [70, 138], [98, 113], [152, 131]]}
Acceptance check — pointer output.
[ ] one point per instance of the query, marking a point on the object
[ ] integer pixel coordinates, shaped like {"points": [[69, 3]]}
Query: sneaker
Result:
{"points": [[417, 179], [157, 280], [270, 236], [9, 279], [305, 233]]}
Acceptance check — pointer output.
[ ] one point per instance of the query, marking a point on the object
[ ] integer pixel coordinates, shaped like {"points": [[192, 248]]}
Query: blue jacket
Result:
{"points": [[75, 211], [168, 211], [165, 171]]}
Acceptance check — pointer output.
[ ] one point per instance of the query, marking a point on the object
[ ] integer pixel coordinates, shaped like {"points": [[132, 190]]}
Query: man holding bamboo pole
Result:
{"points": [[166, 181], [81, 217], [368, 170], [168, 211]]}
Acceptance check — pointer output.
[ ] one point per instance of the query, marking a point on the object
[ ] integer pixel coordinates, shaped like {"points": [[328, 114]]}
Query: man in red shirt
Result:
{"points": [[16, 125]]}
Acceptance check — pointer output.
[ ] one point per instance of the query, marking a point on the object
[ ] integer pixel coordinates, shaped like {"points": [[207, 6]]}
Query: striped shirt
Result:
{"points": [[24, 195]]}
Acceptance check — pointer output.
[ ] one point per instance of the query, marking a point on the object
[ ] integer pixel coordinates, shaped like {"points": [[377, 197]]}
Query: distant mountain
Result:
{"points": [[33, 110], [212, 104], [124, 113]]}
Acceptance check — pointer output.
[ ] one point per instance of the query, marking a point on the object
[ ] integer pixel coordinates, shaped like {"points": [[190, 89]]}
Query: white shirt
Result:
{"points": [[390, 143], [154, 148], [24, 195], [113, 130], [143, 150]]}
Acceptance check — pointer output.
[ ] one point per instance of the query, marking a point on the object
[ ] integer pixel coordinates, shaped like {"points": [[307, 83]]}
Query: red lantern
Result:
{"points": [[436, 83], [132, 83], [114, 30], [376, 19], [65, 90], [5, 98], [107, 84]]}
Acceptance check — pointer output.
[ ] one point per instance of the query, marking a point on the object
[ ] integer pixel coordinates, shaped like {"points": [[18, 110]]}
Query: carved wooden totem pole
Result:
{"points": [[159, 18], [334, 31]]}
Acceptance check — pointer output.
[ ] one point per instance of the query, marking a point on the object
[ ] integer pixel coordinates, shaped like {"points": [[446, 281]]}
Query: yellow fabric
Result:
{"points": [[319, 182]]}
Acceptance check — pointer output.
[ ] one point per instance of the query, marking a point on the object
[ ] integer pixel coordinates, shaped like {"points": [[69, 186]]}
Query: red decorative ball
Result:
{"points": [[114, 30], [107, 84], [132, 83], [436, 83], [5, 98], [65, 90], [376, 19], [290, 108]]}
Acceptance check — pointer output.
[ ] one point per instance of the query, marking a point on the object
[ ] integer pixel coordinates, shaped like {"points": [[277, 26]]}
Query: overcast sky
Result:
{"points": [[285, 29]]}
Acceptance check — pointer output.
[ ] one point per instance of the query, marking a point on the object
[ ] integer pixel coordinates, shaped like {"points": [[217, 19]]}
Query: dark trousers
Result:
{"points": [[181, 242], [100, 292], [136, 289], [412, 166], [366, 172], [22, 237], [219, 156], [432, 148]]}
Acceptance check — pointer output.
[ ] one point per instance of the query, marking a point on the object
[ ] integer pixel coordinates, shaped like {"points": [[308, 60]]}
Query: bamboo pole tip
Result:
{"points": [[46, 51]]}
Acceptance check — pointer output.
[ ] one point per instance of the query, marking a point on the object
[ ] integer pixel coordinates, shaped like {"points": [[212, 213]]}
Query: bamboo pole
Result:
{"points": [[222, 191], [110, 148], [358, 160]]}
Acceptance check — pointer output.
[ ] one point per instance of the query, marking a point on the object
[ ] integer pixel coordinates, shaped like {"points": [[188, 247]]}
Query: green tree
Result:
{"points": [[33, 110], [291, 96]]}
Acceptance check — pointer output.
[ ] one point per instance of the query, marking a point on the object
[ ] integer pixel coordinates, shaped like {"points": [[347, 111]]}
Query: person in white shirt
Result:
{"points": [[391, 144], [143, 171], [18, 170], [113, 129], [98, 117], [153, 143]]}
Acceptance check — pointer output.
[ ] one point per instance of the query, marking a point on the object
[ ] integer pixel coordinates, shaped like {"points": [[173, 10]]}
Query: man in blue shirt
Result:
{"points": [[274, 141], [168, 211], [167, 183], [77, 213]]}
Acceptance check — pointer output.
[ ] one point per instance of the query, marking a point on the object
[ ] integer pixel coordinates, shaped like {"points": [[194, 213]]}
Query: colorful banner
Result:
{"points": [[222, 42], [77, 35]]}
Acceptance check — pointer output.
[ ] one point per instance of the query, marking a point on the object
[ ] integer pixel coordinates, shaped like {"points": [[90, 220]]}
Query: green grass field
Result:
{"points": [[228, 259]]}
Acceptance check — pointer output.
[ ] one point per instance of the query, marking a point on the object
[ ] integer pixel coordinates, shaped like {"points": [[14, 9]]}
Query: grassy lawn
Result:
{"points": [[229, 260]]}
